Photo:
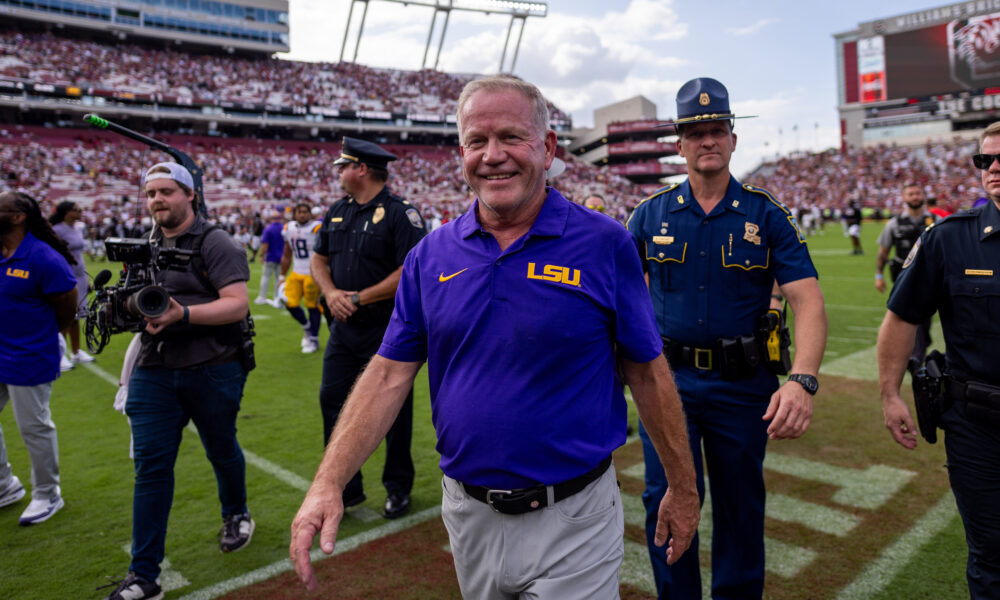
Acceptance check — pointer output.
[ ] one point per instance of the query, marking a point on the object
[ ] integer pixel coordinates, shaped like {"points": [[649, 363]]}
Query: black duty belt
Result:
{"points": [[516, 502], [982, 401], [706, 359]]}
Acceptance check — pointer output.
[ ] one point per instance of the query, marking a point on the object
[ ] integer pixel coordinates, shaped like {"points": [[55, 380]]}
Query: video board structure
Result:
{"points": [[929, 74]]}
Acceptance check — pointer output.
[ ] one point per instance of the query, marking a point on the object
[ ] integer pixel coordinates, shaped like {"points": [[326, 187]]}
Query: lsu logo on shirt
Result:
{"points": [[19, 273], [555, 274]]}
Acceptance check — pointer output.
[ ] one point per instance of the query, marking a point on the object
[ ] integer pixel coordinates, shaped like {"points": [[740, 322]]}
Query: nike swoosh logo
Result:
{"points": [[442, 278]]}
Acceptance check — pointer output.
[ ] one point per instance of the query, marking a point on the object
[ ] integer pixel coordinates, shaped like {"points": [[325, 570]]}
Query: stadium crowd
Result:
{"points": [[243, 178], [874, 176], [141, 69]]}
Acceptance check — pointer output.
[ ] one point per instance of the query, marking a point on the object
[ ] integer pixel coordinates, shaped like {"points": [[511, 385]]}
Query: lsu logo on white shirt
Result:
{"points": [[555, 274]]}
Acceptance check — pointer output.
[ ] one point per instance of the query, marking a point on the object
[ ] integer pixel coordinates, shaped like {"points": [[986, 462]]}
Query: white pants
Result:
{"points": [[570, 549], [34, 421]]}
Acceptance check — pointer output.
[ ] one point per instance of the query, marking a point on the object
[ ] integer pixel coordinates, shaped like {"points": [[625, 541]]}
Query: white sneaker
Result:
{"points": [[309, 346], [13, 492], [41, 510], [82, 357], [260, 300], [65, 364], [277, 303]]}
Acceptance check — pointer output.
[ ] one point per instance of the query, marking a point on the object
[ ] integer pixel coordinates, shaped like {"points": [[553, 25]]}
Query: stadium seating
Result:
{"points": [[100, 170], [140, 69]]}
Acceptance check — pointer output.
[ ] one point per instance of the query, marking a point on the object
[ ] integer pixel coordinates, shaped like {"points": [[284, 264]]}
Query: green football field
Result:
{"points": [[851, 515]]}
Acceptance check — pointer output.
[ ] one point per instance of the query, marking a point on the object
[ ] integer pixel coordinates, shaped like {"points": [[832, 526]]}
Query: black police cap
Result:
{"points": [[360, 151]]}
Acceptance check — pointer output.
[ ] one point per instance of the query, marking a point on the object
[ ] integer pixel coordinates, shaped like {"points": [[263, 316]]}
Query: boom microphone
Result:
{"points": [[102, 278]]}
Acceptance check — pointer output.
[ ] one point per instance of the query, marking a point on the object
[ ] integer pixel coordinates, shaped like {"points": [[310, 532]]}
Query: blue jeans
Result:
{"points": [[973, 449], [160, 403]]}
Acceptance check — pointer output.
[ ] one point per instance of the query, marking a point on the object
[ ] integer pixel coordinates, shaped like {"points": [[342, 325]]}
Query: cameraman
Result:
{"points": [[188, 369]]}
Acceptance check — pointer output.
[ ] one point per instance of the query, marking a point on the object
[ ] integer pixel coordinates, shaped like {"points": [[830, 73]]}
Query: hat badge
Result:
{"points": [[703, 99]]}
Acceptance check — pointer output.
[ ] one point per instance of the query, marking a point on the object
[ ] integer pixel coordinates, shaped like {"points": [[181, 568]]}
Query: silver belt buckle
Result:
{"points": [[489, 498]]}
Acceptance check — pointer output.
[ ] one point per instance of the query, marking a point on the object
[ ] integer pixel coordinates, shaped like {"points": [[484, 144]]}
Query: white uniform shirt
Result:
{"points": [[301, 238]]}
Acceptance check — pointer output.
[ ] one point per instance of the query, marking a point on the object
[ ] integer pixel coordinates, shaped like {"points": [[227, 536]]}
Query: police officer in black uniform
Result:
{"points": [[901, 233], [955, 268], [359, 256]]}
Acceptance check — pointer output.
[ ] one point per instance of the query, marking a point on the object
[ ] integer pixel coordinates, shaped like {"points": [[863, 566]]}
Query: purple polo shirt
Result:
{"points": [[29, 346], [520, 344], [275, 241]]}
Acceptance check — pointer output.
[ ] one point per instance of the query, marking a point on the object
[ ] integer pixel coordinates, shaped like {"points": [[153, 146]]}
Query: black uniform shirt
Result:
{"points": [[187, 346], [955, 268], [367, 242]]}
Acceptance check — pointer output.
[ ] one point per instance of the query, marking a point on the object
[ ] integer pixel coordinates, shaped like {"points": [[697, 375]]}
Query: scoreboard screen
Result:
{"points": [[960, 55]]}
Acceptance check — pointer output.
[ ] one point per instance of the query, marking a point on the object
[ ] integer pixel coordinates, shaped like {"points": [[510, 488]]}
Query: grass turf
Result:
{"points": [[280, 422]]}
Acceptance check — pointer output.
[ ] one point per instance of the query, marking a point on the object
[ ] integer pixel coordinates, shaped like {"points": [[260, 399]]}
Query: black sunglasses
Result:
{"points": [[983, 161]]}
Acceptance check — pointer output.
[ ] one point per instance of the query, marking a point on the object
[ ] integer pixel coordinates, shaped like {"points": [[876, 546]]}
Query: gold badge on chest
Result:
{"points": [[750, 233], [379, 215]]}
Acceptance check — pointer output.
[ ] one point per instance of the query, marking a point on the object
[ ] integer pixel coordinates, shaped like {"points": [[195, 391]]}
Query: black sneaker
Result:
{"points": [[134, 587], [236, 532]]}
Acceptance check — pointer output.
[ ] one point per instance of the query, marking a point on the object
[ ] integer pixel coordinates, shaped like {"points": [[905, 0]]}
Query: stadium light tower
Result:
{"points": [[518, 11]]}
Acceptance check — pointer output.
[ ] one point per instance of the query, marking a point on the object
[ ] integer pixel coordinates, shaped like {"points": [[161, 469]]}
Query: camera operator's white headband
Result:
{"points": [[177, 173]]}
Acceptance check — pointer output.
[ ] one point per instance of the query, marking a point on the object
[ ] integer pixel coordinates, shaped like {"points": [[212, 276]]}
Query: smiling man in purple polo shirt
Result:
{"points": [[521, 308]]}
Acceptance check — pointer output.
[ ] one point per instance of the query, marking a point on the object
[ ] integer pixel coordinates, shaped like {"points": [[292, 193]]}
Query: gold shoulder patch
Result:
{"points": [[913, 253]]}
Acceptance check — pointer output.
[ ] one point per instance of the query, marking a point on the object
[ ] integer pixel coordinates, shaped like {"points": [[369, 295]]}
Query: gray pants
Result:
{"points": [[269, 279], [34, 421], [570, 549]]}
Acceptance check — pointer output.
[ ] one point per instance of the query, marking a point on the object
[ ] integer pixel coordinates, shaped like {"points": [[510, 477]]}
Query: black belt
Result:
{"points": [[706, 359], [516, 502], [982, 401]]}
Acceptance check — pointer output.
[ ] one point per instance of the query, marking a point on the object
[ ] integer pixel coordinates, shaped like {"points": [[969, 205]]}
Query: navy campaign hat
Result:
{"points": [[360, 151], [703, 99]]}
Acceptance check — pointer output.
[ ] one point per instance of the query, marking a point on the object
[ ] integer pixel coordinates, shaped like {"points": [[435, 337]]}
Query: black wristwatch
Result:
{"points": [[806, 381], [356, 299]]}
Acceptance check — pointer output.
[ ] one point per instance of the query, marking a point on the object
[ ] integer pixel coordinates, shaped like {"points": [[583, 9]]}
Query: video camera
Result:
{"points": [[125, 306]]}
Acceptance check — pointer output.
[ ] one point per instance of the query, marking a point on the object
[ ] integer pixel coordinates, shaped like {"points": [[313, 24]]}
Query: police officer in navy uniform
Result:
{"points": [[714, 248], [955, 269], [901, 232], [357, 263]]}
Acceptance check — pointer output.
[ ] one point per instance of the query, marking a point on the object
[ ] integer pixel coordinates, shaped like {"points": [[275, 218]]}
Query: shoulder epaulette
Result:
{"points": [[658, 192], [767, 194], [958, 216]]}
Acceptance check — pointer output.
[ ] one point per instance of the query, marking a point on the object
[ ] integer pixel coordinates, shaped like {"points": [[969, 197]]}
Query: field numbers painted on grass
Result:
{"points": [[868, 489]]}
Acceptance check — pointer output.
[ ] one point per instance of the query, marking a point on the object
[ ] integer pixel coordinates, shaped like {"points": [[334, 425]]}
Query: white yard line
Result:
{"points": [[894, 558], [285, 565]]}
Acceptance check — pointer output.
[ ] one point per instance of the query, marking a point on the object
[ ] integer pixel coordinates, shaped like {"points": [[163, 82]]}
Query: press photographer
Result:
{"points": [[192, 365]]}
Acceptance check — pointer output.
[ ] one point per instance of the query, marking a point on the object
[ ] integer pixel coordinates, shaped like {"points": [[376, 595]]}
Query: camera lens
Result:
{"points": [[150, 301]]}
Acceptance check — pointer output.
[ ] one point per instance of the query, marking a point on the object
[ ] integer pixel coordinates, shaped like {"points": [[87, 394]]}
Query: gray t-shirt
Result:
{"points": [[185, 346]]}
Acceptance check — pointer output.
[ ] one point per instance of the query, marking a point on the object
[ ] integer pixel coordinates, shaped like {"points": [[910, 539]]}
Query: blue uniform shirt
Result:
{"points": [[520, 344], [955, 268], [711, 276], [29, 346]]}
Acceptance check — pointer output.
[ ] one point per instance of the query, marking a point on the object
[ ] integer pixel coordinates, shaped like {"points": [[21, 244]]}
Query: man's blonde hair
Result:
{"points": [[993, 129], [503, 83]]}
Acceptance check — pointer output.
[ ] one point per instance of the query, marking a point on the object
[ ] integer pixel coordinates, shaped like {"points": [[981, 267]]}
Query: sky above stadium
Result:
{"points": [[775, 56]]}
